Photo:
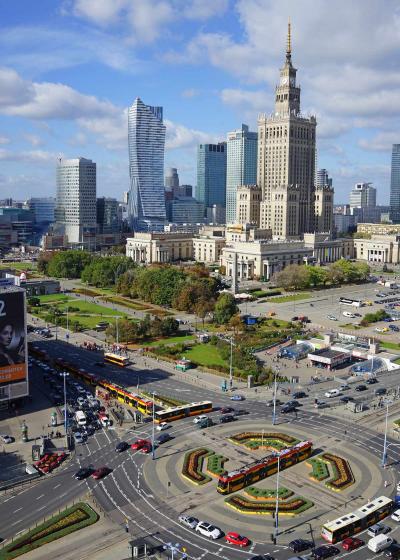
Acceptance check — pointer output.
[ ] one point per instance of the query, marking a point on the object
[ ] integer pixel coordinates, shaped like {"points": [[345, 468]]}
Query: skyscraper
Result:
{"points": [[211, 174], [146, 140], [109, 215], [241, 166], [395, 184], [286, 159], [323, 179], [172, 178], [75, 211]]}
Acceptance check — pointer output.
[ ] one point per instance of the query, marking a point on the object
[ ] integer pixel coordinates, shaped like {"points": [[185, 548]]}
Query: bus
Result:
{"points": [[357, 521], [350, 301], [177, 412], [80, 418], [116, 359], [144, 405], [235, 480]]}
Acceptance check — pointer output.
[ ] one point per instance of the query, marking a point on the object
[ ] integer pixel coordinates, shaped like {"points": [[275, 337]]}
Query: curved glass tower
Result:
{"points": [[146, 140]]}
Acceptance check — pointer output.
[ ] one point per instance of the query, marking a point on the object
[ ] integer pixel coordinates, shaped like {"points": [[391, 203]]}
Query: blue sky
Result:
{"points": [[69, 69]]}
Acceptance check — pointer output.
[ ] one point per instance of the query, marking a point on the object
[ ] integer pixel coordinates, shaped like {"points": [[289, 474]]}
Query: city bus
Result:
{"points": [[350, 301], [235, 480], [177, 412], [116, 359], [357, 521]]}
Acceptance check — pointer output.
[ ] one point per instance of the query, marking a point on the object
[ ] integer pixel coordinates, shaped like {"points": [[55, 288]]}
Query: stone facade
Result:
{"points": [[248, 198], [148, 248], [378, 249]]}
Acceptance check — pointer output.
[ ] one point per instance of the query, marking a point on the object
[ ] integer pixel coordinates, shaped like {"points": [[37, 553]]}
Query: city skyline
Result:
{"points": [[210, 68]]}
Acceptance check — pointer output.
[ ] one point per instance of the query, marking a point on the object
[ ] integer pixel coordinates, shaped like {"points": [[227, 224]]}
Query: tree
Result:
{"points": [[68, 264], [225, 308], [293, 277], [105, 271], [127, 331], [158, 284], [318, 276], [203, 307], [236, 323]]}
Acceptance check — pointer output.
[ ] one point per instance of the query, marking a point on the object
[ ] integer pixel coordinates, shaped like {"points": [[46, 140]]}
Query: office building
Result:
{"points": [[75, 212], [211, 174], [109, 215], [186, 210], [323, 208], [215, 214], [323, 179], [241, 165], [156, 247], [286, 160], [43, 209], [363, 195], [248, 199], [146, 139], [172, 178], [395, 184]]}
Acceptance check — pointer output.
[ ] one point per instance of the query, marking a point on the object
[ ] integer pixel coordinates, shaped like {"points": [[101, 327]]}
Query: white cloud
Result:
{"points": [[179, 136], [103, 12], [4, 140], [204, 9], [381, 142], [33, 139], [190, 92], [30, 156]]}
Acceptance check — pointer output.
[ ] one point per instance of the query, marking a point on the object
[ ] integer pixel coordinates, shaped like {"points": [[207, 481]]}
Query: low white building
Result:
{"points": [[378, 249], [208, 244], [157, 247]]}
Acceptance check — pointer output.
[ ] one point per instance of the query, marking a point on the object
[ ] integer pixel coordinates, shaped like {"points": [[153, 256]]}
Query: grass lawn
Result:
{"points": [[171, 340], [397, 361], [292, 297], [205, 355], [88, 307], [271, 324], [390, 346], [19, 265], [54, 298]]}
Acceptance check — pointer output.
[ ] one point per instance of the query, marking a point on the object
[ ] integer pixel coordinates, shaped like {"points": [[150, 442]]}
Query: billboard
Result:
{"points": [[13, 343]]}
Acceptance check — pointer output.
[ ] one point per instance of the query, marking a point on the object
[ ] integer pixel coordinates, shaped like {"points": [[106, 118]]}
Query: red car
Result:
{"points": [[139, 443], [101, 473], [351, 543], [146, 448], [236, 539]]}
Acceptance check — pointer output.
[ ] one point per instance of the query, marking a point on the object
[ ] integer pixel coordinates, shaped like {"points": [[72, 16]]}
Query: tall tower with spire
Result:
{"points": [[286, 159]]}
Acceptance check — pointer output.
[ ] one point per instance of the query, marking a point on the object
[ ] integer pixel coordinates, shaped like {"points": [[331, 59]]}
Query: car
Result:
{"points": [[346, 399], [241, 412], [121, 446], [378, 529], [287, 409], [299, 545], [237, 398], [348, 314], [324, 551], [318, 403], [101, 473], [226, 418], [381, 329], [331, 317], [394, 328], [361, 388], [300, 395], [396, 515], [227, 410], [236, 539], [344, 387], [269, 557], [293, 403], [139, 443], [393, 551], [84, 472], [351, 543], [163, 438], [78, 437], [162, 426], [6, 439], [332, 393], [81, 401], [147, 448], [208, 530], [371, 381], [188, 521], [88, 430], [380, 391], [271, 402], [199, 418]]}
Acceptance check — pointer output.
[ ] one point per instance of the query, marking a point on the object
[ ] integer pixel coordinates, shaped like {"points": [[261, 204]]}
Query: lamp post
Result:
{"points": [[275, 389], [277, 501], [65, 374], [174, 548], [153, 455], [231, 365], [384, 454], [116, 326]]}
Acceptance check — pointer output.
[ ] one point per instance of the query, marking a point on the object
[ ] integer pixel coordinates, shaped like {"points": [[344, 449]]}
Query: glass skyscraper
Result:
{"points": [[241, 167], [146, 141], [211, 174], [395, 185]]}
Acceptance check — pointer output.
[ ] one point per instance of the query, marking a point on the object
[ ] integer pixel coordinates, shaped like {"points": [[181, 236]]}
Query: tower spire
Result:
{"points": [[289, 43]]}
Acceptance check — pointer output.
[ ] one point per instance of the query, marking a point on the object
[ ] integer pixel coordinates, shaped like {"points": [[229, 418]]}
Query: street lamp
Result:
{"points": [[384, 454], [65, 374], [231, 365], [153, 455], [277, 501], [275, 390]]}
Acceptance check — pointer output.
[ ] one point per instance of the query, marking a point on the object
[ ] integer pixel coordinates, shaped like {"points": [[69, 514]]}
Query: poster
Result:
{"points": [[13, 354]]}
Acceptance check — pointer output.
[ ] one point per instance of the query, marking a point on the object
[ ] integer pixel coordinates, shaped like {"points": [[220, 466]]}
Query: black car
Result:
{"points": [[241, 412], [393, 551], [371, 381], [89, 430], [293, 403], [163, 438], [226, 418], [263, 557], [84, 472], [271, 402], [287, 409], [299, 395], [325, 551], [298, 545], [121, 446], [346, 399], [361, 388], [227, 410]]}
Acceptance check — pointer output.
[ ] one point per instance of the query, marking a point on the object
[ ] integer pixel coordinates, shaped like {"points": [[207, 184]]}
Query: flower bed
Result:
{"points": [[215, 464], [294, 506], [320, 469], [343, 477], [70, 520], [193, 466], [268, 493], [256, 440]]}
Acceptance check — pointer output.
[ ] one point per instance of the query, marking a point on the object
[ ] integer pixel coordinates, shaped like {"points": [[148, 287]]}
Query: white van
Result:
{"points": [[349, 314], [80, 418], [396, 515], [379, 543], [332, 393]]}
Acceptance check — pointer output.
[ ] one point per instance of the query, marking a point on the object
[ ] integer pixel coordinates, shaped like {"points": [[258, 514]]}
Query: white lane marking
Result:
{"points": [[57, 486], [41, 496], [19, 509]]}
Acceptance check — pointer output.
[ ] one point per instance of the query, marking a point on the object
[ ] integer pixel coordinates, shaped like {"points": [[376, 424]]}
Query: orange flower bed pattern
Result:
{"points": [[295, 506], [193, 466], [255, 440], [343, 477]]}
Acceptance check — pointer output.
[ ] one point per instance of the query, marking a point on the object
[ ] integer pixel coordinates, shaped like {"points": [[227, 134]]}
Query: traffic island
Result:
{"points": [[295, 506], [267, 494], [71, 519], [192, 468], [341, 477], [260, 440]]}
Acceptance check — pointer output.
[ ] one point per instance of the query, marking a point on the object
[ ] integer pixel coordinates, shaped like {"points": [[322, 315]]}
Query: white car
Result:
{"points": [[188, 521], [208, 530], [348, 314], [396, 515], [162, 426], [332, 393], [332, 317], [200, 419], [6, 439], [78, 437], [344, 387]]}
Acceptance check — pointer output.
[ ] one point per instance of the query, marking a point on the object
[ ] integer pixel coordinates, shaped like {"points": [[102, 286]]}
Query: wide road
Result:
{"points": [[125, 494]]}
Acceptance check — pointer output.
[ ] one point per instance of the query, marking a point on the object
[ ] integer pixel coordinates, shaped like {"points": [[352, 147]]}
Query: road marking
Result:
{"points": [[40, 509], [38, 498], [56, 486], [19, 509]]}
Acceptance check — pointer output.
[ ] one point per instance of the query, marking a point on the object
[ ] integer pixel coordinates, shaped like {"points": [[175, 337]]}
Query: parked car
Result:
{"points": [[101, 473], [371, 381], [346, 399], [162, 426], [6, 439], [188, 521], [394, 328], [299, 395], [380, 391], [226, 418], [393, 551], [199, 418], [361, 388], [237, 398], [121, 446], [208, 530], [331, 318], [299, 545], [351, 543], [236, 539], [271, 402]]}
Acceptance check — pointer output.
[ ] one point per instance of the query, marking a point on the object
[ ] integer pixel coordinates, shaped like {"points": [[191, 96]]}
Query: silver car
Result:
{"points": [[188, 521]]}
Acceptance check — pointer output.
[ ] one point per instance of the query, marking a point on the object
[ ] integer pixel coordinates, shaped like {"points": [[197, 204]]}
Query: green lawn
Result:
{"points": [[171, 340], [88, 307], [397, 361], [205, 355], [54, 298], [390, 345], [292, 297], [271, 324], [19, 265]]}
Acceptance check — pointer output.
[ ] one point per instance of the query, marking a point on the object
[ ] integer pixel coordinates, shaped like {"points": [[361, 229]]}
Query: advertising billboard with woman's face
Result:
{"points": [[13, 355]]}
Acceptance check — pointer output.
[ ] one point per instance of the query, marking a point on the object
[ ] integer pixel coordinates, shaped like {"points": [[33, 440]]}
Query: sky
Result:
{"points": [[70, 68]]}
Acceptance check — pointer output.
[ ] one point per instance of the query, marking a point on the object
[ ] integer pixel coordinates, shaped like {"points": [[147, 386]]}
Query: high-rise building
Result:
{"points": [[286, 159], [323, 208], [75, 211], [146, 139], [241, 165], [363, 195], [211, 174], [323, 179], [248, 199], [172, 178], [395, 184], [109, 215], [187, 210], [43, 209]]}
